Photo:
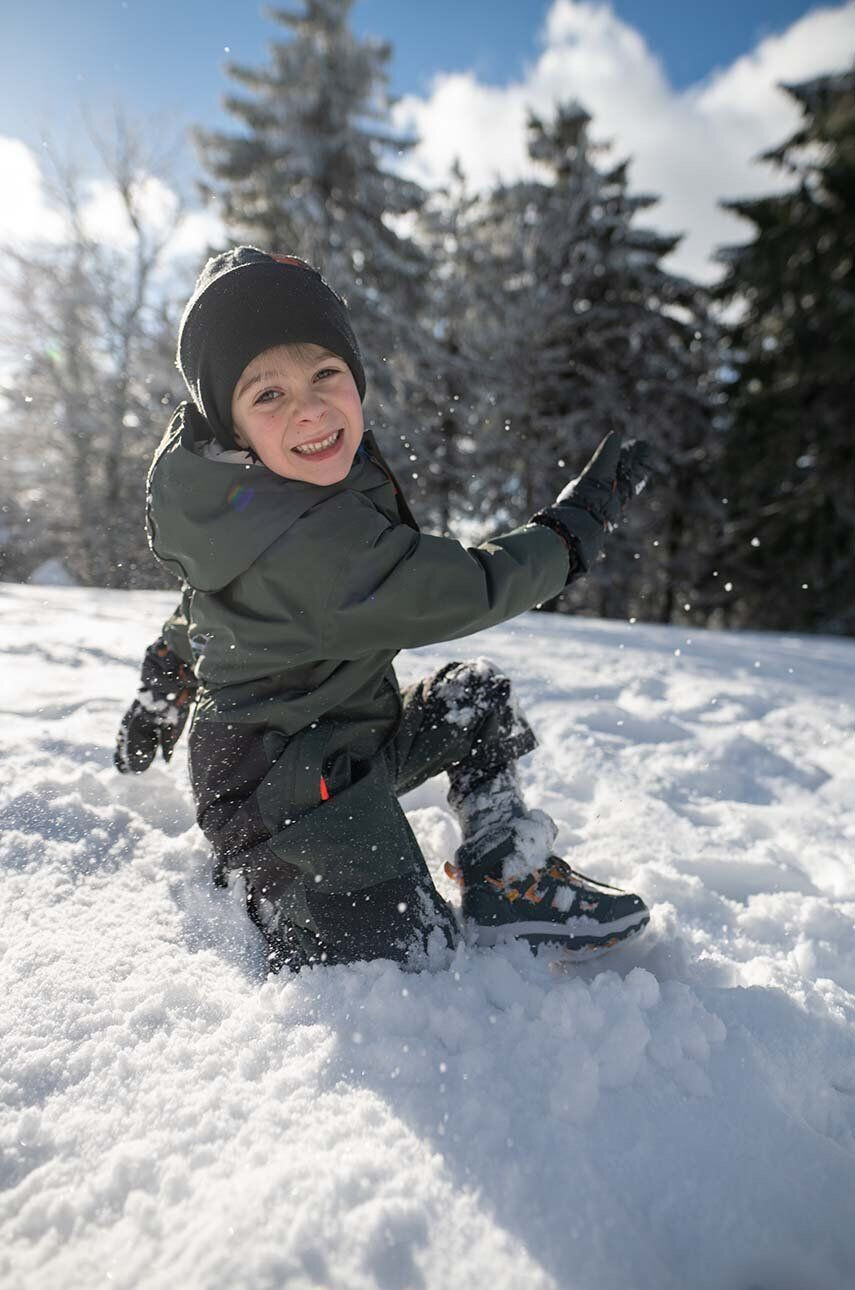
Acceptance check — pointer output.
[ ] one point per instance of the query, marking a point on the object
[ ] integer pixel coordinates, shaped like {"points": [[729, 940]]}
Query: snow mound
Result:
{"points": [[678, 1113]]}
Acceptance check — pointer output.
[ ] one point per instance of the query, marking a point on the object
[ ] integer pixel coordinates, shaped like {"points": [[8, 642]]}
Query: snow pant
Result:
{"points": [[309, 824]]}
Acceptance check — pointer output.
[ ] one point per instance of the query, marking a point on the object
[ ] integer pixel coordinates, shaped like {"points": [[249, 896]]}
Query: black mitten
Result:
{"points": [[158, 715], [635, 465], [588, 507]]}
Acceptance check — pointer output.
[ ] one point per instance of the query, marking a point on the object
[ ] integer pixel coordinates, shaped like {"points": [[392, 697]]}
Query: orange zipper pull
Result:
{"points": [[325, 792]]}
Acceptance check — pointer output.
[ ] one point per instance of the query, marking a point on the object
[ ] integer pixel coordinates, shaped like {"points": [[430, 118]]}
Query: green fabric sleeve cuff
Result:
{"points": [[175, 629]]}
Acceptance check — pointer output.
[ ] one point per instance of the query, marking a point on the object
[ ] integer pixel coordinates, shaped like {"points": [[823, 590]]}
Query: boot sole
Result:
{"points": [[574, 945], [568, 958]]}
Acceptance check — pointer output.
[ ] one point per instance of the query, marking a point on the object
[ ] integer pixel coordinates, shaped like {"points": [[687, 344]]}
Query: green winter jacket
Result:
{"points": [[297, 597]]}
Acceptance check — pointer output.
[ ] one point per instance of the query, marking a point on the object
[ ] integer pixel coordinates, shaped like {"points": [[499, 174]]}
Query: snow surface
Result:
{"points": [[676, 1114]]}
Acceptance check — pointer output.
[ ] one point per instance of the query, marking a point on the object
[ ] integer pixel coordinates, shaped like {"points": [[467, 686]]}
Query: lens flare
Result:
{"points": [[239, 496]]}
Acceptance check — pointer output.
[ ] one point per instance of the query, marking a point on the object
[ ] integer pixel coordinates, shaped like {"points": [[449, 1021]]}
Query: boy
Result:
{"points": [[304, 573]]}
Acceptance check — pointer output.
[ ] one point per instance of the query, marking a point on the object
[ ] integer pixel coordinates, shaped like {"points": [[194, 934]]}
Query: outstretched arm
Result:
{"points": [[396, 588]]}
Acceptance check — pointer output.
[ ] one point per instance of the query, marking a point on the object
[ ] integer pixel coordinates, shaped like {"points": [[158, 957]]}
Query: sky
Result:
{"points": [[159, 56], [686, 90]]}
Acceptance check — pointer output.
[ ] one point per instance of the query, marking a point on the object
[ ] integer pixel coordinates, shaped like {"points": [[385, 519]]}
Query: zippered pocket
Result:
{"points": [[295, 782]]}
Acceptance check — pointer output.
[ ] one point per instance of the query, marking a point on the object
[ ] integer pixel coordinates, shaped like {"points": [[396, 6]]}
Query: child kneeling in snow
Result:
{"points": [[304, 574]]}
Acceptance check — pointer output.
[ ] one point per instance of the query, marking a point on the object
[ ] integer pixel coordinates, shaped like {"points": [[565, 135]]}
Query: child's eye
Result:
{"points": [[266, 396], [327, 371]]}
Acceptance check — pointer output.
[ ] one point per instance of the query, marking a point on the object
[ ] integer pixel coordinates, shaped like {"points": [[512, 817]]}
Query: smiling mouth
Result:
{"points": [[319, 445]]}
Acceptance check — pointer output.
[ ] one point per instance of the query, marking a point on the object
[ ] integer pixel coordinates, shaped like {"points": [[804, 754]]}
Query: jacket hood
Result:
{"points": [[210, 515]]}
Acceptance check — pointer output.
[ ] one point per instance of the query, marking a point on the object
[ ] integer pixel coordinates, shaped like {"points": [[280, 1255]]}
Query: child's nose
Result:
{"points": [[309, 407]]}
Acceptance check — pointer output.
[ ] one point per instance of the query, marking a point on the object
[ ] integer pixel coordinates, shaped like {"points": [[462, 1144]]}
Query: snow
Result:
{"points": [[677, 1113]]}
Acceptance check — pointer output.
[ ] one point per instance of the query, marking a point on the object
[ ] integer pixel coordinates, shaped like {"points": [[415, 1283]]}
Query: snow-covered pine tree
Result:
{"points": [[499, 249], [308, 173], [789, 465], [450, 395], [598, 335]]}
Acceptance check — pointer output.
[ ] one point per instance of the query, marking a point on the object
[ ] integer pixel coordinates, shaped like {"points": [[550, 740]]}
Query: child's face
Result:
{"points": [[293, 397]]}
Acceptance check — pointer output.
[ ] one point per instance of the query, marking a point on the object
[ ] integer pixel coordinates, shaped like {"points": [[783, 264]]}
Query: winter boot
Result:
{"points": [[507, 897]]}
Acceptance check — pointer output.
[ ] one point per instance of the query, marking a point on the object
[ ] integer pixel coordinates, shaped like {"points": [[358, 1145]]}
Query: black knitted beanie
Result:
{"points": [[244, 303]]}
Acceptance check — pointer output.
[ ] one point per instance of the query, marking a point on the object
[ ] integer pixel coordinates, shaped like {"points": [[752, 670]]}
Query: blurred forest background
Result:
{"points": [[504, 333]]}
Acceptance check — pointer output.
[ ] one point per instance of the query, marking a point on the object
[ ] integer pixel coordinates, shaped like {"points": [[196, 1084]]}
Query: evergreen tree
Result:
{"points": [[308, 174], [789, 466], [500, 256], [449, 401], [593, 334]]}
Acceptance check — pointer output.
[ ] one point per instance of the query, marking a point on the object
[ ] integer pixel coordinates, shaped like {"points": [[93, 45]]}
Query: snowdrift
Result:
{"points": [[680, 1113]]}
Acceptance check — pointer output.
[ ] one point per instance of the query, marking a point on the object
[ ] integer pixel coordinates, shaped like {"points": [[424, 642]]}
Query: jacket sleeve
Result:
{"points": [[394, 588], [176, 627]]}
